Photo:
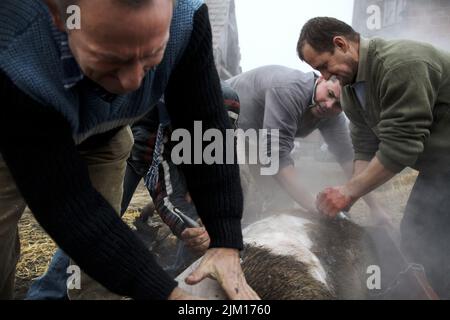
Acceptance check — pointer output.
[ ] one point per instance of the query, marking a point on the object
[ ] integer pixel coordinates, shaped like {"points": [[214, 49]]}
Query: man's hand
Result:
{"points": [[331, 201], [224, 265], [196, 239], [180, 294], [366, 178]]}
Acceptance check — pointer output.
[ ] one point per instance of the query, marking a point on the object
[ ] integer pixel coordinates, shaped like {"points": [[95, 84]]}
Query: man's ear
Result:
{"points": [[341, 43], [321, 80], [55, 11]]}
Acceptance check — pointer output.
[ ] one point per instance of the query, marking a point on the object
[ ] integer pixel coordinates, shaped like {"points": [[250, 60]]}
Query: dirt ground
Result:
{"points": [[38, 248]]}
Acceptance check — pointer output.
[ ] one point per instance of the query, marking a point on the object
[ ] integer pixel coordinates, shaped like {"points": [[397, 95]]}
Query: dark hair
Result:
{"points": [[319, 34]]}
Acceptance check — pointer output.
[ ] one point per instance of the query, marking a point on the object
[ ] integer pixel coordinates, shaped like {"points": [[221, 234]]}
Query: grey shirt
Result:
{"points": [[277, 97]]}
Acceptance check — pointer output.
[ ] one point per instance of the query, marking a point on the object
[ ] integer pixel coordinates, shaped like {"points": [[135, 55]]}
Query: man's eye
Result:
{"points": [[331, 94]]}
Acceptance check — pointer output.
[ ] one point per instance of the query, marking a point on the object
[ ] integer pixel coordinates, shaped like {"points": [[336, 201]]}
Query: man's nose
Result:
{"points": [[131, 76], [329, 104]]}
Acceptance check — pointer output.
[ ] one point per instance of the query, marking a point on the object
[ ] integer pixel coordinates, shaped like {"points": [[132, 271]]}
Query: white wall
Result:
{"points": [[269, 29]]}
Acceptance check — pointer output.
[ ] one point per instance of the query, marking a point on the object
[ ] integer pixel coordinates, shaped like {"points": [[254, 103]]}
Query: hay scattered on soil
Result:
{"points": [[36, 251]]}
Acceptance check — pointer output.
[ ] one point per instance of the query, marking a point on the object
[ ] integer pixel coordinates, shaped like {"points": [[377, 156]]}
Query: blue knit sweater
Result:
{"points": [[31, 58], [54, 180]]}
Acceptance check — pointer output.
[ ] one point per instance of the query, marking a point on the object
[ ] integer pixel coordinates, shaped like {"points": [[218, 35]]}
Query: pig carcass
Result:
{"points": [[296, 256]]}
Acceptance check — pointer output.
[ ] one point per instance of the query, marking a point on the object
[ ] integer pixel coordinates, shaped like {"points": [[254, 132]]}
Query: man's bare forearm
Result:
{"points": [[353, 169], [359, 166], [291, 183], [367, 176]]}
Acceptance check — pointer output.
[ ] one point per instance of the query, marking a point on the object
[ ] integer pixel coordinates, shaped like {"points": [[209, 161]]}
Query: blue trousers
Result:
{"points": [[53, 284]]}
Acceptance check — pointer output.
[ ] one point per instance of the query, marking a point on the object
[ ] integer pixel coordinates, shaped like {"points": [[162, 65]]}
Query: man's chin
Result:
{"points": [[114, 89], [111, 85], [117, 91]]}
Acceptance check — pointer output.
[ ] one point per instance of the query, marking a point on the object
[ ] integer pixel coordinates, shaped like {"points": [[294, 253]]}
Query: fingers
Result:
{"points": [[330, 209], [199, 249], [197, 239], [331, 201], [324, 205], [224, 265], [197, 275], [192, 233], [232, 279], [180, 294]]}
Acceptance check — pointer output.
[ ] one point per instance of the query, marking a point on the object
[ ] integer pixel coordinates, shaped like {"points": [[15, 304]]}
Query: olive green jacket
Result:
{"points": [[404, 116]]}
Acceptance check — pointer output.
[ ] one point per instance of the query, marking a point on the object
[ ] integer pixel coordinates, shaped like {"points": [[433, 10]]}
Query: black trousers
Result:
{"points": [[425, 227]]}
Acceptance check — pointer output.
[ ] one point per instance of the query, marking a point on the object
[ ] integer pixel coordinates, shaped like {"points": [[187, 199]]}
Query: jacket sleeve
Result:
{"points": [[281, 113], [54, 181], [194, 94], [409, 94]]}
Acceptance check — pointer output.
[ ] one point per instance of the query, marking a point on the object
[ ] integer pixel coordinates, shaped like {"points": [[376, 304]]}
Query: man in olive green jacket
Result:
{"points": [[397, 97]]}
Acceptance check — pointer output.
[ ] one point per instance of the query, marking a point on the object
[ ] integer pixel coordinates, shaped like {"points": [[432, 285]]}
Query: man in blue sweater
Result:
{"points": [[74, 93]]}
